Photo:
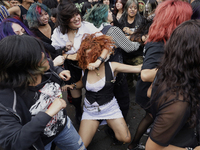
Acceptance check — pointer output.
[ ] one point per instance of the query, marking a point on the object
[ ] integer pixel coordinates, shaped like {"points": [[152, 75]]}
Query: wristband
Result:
{"points": [[101, 59], [66, 56], [74, 85]]}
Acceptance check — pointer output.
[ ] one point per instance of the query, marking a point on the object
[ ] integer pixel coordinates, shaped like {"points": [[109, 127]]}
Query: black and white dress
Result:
{"points": [[94, 111]]}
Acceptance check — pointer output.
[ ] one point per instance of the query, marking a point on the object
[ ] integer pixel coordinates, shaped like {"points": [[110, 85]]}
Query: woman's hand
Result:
{"points": [[94, 65], [127, 30], [68, 46], [144, 38], [71, 56], [65, 75], [56, 106], [67, 87], [59, 60]]}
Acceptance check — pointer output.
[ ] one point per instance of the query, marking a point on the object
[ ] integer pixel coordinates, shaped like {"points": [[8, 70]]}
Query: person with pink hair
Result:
{"points": [[168, 15]]}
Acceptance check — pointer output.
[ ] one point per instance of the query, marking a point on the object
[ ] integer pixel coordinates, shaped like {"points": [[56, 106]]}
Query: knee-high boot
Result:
{"points": [[78, 109]]}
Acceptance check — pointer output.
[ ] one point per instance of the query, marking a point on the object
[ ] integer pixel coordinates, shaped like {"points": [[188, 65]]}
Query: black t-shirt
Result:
{"points": [[23, 15], [131, 26], [134, 53], [46, 41], [152, 54]]}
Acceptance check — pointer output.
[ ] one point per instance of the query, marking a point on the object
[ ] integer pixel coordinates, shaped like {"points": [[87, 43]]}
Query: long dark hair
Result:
{"points": [[66, 10], [20, 61], [179, 70], [115, 8], [138, 17], [50, 3], [7, 30]]}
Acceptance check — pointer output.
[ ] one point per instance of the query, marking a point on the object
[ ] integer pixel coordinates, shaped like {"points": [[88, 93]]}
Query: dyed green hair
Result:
{"points": [[97, 14], [34, 13]]}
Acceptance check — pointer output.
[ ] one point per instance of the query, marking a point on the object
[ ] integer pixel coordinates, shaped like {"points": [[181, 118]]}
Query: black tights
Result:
{"points": [[142, 127]]}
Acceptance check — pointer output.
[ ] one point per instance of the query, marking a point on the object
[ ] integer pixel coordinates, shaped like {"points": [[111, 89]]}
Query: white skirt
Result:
{"points": [[93, 111]]}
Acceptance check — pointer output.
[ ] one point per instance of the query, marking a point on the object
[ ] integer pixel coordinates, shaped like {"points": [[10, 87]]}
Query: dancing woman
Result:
{"points": [[175, 95], [153, 52], [100, 103]]}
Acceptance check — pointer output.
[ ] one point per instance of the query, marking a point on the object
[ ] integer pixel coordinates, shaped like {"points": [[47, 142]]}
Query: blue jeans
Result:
{"points": [[68, 139]]}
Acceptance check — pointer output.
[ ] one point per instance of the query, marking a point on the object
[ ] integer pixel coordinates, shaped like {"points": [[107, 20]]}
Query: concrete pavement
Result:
{"points": [[101, 140]]}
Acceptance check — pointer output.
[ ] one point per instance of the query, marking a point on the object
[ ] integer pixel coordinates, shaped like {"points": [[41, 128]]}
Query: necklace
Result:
{"points": [[96, 73], [74, 31]]}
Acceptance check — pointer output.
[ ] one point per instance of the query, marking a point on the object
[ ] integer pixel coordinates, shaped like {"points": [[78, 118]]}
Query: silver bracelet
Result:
{"points": [[74, 86]]}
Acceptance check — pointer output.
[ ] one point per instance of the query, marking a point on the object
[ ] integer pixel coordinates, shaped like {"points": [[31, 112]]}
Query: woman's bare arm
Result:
{"points": [[119, 67]]}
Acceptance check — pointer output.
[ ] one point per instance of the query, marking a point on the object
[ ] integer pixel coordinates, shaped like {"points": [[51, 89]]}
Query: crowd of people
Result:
{"points": [[49, 47]]}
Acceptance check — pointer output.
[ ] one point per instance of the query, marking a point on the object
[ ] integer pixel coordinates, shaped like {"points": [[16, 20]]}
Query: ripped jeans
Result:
{"points": [[68, 139]]}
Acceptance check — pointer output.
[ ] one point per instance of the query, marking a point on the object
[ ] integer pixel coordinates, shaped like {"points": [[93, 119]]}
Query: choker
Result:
{"points": [[73, 29]]}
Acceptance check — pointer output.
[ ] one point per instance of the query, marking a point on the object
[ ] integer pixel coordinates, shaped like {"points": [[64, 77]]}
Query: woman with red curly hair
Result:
{"points": [[168, 15], [100, 103]]}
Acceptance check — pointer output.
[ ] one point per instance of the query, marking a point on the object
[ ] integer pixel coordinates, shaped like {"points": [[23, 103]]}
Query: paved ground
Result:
{"points": [[103, 142]]}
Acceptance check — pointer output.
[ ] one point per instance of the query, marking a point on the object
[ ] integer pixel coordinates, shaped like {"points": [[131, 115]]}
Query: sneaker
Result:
{"points": [[147, 132]]}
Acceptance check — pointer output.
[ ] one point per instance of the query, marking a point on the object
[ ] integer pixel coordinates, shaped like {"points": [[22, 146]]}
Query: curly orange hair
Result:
{"points": [[96, 44]]}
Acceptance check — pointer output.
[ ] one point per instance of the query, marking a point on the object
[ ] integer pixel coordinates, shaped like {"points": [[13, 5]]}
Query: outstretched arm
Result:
{"points": [[77, 85], [119, 67], [14, 11], [122, 41], [148, 75]]}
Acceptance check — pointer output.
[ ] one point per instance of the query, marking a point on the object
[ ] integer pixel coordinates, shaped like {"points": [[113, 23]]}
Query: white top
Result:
{"points": [[97, 86], [59, 40]]}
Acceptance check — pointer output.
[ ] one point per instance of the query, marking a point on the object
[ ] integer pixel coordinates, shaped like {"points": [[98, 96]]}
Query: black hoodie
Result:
{"points": [[22, 124]]}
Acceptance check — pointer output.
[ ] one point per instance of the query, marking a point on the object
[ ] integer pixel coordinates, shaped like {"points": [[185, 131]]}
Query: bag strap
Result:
{"points": [[105, 29]]}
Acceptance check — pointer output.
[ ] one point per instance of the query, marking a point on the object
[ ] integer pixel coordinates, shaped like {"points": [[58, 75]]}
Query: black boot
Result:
{"points": [[69, 96], [111, 133], [78, 109]]}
